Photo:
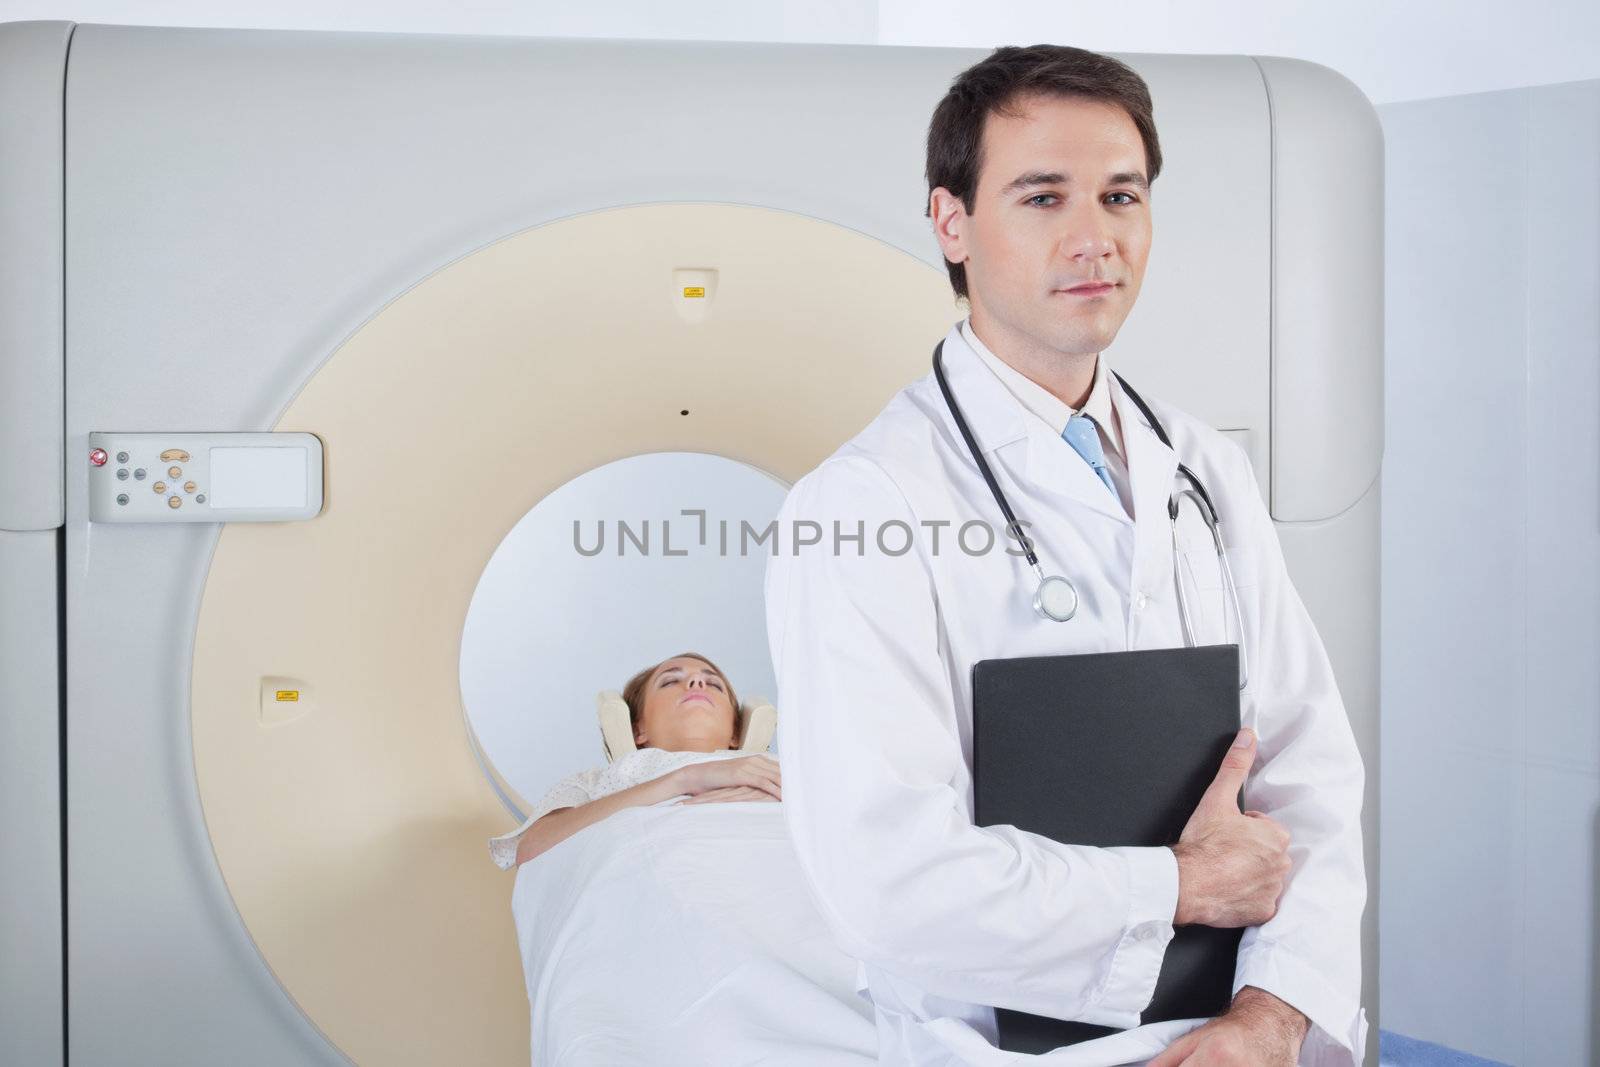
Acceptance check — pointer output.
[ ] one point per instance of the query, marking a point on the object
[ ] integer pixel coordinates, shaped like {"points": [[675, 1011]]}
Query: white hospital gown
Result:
{"points": [[644, 765]]}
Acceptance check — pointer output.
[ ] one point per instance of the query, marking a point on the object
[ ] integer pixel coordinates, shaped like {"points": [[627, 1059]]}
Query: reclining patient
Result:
{"points": [[663, 918], [684, 721]]}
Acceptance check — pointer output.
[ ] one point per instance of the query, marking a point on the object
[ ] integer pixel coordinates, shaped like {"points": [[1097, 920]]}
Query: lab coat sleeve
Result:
{"points": [[1308, 776], [874, 789]]}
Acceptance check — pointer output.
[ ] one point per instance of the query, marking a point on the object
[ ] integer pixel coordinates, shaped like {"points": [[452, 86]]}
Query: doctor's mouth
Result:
{"points": [[692, 533]]}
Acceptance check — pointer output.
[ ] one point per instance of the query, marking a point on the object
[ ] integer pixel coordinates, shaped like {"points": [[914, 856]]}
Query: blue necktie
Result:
{"points": [[1085, 441]]}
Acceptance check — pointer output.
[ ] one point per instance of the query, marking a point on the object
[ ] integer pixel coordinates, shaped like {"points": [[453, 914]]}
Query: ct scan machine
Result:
{"points": [[297, 328]]}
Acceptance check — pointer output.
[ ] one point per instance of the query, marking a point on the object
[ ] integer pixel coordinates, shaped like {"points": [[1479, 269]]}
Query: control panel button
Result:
{"points": [[122, 457], [122, 498], [174, 454], [201, 499], [98, 457], [174, 501], [138, 474], [122, 474], [175, 472], [188, 487], [159, 488]]}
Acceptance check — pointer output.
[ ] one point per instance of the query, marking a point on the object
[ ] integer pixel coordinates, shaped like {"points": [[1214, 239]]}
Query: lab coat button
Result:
{"points": [[1147, 931], [1140, 601]]}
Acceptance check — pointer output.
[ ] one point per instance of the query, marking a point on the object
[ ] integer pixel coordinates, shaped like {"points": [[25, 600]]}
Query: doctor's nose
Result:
{"points": [[1088, 244], [1086, 235]]}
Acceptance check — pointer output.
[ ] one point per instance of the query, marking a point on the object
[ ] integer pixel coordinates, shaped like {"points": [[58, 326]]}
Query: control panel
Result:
{"points": [[204, 477]]}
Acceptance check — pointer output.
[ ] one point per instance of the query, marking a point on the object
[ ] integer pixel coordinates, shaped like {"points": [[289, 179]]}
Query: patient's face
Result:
{"points": [[1047, 215], [686, 709]]}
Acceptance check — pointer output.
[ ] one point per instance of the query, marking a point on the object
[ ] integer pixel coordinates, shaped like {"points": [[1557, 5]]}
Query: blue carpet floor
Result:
{"points": [[1397, 1050]]}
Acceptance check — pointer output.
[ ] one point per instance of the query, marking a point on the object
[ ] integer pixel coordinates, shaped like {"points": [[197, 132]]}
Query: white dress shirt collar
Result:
{"points": [[1046, 405]]}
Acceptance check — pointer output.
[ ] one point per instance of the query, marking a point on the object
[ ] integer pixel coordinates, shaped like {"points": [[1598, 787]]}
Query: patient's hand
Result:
{"points": [[745, 778], [732, 792], [757, 772]]}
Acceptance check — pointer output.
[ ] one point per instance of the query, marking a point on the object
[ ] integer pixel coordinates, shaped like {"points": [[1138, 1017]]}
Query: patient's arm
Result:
{"points": [[552, 829]]}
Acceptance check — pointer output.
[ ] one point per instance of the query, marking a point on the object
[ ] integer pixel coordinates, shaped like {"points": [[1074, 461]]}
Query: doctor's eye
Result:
{"points": [[1131, 198], [1042, 196]]}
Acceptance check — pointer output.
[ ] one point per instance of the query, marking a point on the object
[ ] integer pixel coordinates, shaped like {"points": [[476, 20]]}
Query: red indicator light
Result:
{"points": [[98, 457]]}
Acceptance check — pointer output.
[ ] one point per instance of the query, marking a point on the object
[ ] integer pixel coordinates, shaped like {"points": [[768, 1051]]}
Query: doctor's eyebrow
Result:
{"points": [[1038, 177]]}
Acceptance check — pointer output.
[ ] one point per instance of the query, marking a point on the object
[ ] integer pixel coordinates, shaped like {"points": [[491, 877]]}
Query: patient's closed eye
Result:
{"points": [[672, 678]]}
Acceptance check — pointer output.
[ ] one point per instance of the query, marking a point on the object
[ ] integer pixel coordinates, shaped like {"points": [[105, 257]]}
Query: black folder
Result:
{"points": [[1109, 749]]}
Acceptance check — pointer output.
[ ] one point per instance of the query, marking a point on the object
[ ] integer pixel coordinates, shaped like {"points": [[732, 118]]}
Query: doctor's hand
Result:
{"points": [[759, 773], [1259, 1030], [1231, 864]]}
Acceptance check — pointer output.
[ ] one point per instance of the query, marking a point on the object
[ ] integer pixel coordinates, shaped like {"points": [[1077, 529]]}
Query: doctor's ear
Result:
{"points": [[949, 217]]}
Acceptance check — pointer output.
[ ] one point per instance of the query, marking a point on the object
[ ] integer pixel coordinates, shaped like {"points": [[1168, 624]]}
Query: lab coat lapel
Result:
{"points": [[993, 415], [1056, 468], [1152, 466], [1036, 458]]}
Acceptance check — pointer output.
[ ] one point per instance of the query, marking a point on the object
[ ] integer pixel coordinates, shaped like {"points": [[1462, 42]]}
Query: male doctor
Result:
{"points": [[1040, 164]]}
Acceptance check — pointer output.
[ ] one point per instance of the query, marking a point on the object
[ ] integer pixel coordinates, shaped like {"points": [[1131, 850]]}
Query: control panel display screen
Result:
{"points": [[258, 477]]}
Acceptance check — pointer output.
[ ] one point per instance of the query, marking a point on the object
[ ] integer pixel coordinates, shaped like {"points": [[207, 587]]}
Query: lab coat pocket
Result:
{"points": [[1210, 607], [1202, 568]]}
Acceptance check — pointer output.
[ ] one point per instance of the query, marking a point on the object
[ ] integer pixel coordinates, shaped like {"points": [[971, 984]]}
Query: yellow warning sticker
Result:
{"points": [[289, 695], [694, 290]]}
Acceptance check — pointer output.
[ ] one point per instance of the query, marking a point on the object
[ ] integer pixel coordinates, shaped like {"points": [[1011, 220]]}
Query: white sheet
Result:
{"points": [[683, 934]]}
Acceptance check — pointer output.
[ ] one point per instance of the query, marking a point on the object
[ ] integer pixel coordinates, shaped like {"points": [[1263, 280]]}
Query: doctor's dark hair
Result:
{"points": [[998, 85], [633, 692]]}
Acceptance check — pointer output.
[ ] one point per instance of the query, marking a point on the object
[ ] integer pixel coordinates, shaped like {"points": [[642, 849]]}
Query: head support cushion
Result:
{"points": [[757, 722]]}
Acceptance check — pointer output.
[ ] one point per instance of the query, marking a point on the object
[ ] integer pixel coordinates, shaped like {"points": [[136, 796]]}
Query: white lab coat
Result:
{"points": [[874, 650]]}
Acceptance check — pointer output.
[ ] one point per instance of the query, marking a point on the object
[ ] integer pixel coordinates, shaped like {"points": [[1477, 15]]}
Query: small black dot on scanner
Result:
{"points": [[685, 411]]}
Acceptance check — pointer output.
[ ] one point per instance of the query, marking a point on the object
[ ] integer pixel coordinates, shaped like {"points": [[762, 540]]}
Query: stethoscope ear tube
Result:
{"points": [[1055, 598], [983, 468], [1209, 516]]}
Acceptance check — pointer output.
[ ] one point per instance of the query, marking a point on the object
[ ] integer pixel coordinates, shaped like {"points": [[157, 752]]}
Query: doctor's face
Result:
{"points": [[1059, 202], [686, 708]]}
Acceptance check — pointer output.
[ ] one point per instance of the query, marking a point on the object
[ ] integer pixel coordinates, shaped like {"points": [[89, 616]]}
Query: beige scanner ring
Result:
{"points": [[351, 829]]}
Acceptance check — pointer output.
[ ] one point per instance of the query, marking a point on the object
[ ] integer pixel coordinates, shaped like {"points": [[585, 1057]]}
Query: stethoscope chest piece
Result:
{"points": [[1056, 599]]}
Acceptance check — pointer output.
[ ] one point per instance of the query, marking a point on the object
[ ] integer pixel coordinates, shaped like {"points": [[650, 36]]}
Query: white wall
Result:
{"points": [[1491, 574], [1393, 51], [1425, 48]]}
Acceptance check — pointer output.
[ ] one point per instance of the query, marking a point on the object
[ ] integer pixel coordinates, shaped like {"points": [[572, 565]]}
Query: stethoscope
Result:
{"points": [[1056, 598]]}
